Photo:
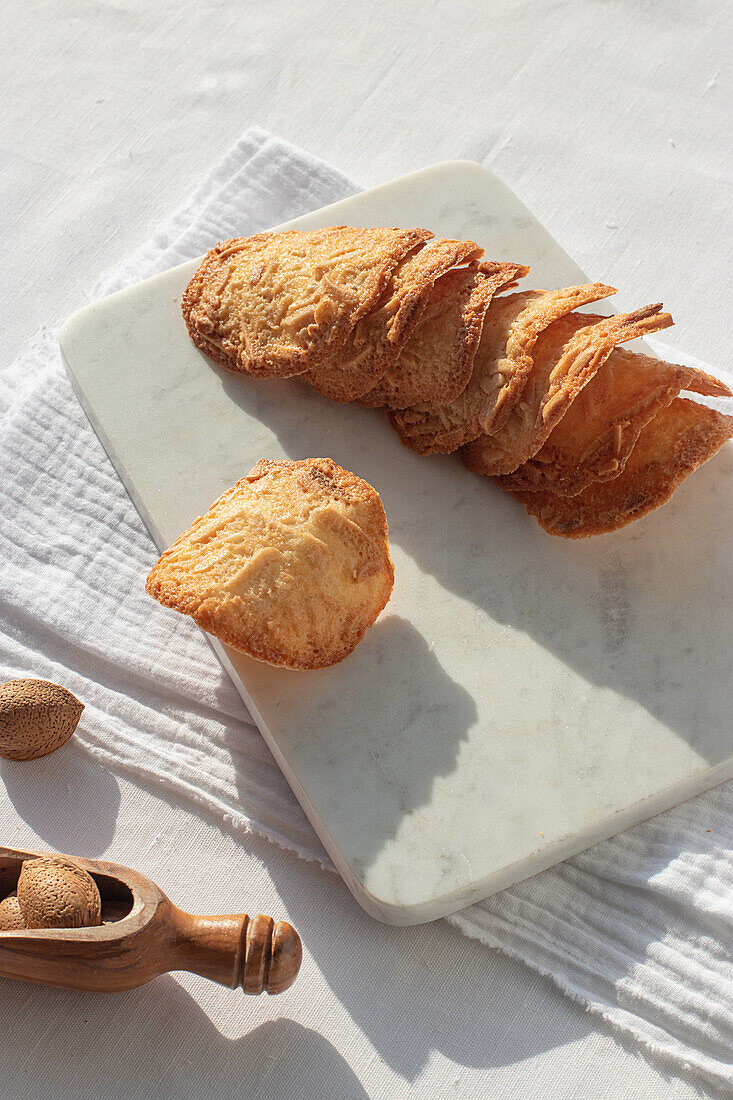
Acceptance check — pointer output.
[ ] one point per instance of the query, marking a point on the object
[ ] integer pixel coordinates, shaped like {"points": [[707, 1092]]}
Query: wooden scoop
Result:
{"points": [[144, 935]]}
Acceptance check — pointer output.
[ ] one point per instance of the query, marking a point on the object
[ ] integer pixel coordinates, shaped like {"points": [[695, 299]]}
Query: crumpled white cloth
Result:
{"points": [[638, 928]]}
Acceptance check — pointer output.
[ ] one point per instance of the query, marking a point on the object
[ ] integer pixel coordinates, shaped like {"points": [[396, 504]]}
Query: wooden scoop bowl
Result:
{"points": [[144, 935]]}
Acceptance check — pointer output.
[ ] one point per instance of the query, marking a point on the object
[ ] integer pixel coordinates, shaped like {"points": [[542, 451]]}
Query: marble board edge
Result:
{"points": [[375, 906]]}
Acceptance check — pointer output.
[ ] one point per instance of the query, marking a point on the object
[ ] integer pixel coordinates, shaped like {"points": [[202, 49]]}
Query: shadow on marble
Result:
{"points": [[384, 755], [68, 798], [629, 611], [596, 604], [157, 1041]]}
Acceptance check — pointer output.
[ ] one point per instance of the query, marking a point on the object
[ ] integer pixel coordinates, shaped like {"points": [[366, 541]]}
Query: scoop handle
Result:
{"points": [[257, 953]]}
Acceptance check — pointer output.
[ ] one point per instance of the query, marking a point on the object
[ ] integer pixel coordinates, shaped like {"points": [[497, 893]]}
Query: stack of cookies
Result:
{"points": [[530, 392]]}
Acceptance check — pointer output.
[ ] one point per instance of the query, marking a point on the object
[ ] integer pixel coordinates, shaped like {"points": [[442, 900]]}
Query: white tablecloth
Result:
{"points": [[607, 122]]}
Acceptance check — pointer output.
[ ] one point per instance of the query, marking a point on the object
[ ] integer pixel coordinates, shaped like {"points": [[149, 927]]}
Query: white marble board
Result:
{"points": [[522, 696]]}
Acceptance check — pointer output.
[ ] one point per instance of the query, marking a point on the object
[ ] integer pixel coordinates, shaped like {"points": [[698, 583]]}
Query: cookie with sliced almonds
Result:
{"points": [[673, 444], [290, 566], [501, 367], [277, 304], [436, 362], [376, 340], [594, 439], [566, 357]]}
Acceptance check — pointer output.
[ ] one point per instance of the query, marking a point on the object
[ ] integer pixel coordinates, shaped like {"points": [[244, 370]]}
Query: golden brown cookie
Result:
{"points": [[679, 439], [501, 367], [435, 364], [565, 359], [290, 566], [594, 439], [376, 340], [276, 304]]}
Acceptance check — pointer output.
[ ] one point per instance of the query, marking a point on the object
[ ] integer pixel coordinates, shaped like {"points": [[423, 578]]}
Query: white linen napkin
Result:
{"points": [[639, 929]]}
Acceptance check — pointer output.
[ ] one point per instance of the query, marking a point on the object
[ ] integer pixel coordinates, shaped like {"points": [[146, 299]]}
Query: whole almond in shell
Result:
{"points": [[36, 718], [54, 892], [11, 918]]}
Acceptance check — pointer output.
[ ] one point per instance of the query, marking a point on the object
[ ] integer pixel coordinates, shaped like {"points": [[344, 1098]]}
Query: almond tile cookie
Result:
{"points": [[436, 362], [673, 444], [594, 439], [502, 364], [277, 304], [290, 566], [567, 357], [375, 342], [533, 394]]}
